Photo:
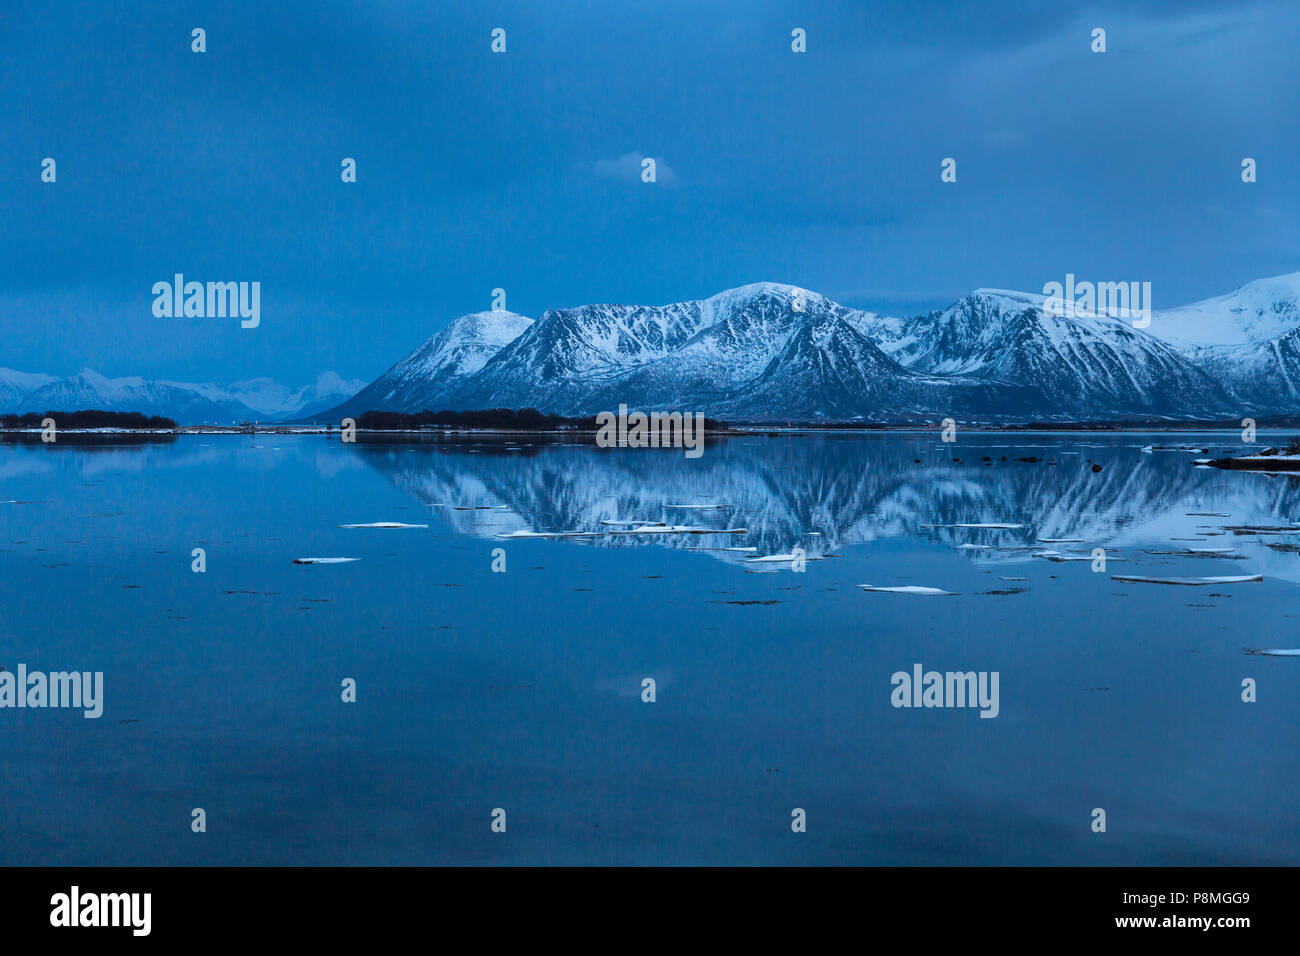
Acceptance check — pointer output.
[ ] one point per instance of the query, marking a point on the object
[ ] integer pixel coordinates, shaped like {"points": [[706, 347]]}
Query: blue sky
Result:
{"points": [[519, 170]]}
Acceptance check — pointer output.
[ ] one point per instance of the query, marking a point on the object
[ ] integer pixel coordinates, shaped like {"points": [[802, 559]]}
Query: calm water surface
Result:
{"points": [[522, 690]]}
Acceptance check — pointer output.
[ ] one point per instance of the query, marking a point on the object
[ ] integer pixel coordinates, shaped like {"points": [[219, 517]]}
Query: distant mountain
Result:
{"points": [[274, 401], [88, 389], [15, 386], [257, 399], [768, 351]]}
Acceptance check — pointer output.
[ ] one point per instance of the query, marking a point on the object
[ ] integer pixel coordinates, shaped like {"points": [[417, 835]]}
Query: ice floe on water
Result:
{"points": [[974, 547], [1061, 540], [324, 560], [1275, 651], [784, 558], [907, 589], [1220, 579], [384, 524]]}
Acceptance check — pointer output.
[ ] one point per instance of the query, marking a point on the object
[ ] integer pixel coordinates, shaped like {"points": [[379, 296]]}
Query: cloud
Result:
{"points": [[627, 168]]}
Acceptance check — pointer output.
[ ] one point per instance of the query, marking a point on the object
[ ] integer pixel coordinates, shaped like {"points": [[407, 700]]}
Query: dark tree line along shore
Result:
{"points": [[90, 418]]}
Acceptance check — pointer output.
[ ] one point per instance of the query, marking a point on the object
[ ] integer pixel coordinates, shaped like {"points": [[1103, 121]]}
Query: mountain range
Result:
{"points": [[258, 399], [772, 352]]}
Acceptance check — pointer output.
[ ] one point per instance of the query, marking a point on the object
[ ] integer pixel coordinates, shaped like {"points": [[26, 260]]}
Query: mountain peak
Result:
{"points": [[1252, 314], [746, 294]]}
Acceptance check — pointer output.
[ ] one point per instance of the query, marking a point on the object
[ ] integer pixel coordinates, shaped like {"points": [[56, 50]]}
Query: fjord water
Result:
{"points": [[522, 690]]}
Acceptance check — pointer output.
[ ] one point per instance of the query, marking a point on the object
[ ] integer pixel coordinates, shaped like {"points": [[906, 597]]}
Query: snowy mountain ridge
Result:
{"points": [[188, 403], [774, 351], [771, 351]]}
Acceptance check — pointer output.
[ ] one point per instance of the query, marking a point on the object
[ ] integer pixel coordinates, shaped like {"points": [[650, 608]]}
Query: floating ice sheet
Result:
{"points": [[384, 524], [907, 589], [1221, 579]]}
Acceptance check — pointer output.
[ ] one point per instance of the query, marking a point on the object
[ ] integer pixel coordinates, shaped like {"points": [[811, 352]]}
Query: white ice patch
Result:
{"points": [[384, 524], [324, 560], [906, 589], [1226, 579]]}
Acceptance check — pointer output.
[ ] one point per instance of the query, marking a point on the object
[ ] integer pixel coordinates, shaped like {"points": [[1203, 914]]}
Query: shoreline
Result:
{"points": [[747, 428]]}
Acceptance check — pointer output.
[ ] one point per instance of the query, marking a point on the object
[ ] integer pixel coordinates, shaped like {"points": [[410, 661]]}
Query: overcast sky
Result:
{"points": [[521, 170]]}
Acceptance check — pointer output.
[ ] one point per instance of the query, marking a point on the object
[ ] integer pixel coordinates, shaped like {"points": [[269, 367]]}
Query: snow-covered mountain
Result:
{"points": [[1258, 312], [1248, 340], [760, 351], [15, 386], [187, 403], [1086, 366], [774, 352], [275, 401], [88, 389], [457, 351], [828, 369], [769, 351]]}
